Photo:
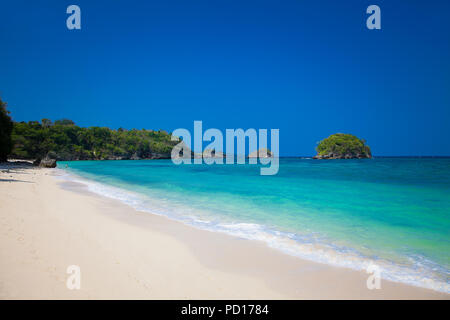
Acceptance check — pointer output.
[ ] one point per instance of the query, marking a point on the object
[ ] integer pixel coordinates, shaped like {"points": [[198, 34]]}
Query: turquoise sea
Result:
{"points": [[393, 212]]}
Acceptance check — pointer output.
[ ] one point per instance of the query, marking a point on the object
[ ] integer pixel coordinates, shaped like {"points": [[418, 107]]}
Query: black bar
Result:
{"points": [[227, 309]]}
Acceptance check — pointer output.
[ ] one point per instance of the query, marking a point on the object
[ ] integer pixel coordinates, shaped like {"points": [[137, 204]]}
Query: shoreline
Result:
{"points": [[123, 253], [300, 246]]}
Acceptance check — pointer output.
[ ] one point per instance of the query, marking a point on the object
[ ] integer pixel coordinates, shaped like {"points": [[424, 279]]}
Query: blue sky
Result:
{"points": [[309, 68]]}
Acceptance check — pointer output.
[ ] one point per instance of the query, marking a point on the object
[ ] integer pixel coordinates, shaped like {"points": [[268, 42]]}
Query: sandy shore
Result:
{"points": [[47, 225]]}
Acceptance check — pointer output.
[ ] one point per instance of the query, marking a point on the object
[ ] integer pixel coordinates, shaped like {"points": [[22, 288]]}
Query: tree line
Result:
{"points": [[64, 140]]}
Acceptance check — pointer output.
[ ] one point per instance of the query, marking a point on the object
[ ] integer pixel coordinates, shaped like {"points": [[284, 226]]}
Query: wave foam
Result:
{"points": [[301, 246]]}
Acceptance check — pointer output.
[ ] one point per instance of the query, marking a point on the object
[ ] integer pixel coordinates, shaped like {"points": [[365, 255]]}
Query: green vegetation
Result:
{"points": [[63, 140], [6, 127], [342, 146]]}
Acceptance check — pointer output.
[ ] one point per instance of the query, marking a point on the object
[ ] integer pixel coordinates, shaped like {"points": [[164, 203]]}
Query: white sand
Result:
{"points": [[45, 226]]}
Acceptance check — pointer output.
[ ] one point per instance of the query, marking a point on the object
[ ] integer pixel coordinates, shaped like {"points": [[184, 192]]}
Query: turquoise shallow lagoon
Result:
{"points": [[394, 212]]}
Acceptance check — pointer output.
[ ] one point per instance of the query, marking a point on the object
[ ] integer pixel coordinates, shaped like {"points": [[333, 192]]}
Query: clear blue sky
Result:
{"points": [[309, 68]]}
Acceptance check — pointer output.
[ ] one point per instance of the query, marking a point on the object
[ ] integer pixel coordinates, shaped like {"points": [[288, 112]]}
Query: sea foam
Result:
{"points": [[303, 246]]}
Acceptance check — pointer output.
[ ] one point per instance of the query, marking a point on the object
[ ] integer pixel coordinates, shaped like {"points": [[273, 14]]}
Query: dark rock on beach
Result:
{"points": [[47, 163]]}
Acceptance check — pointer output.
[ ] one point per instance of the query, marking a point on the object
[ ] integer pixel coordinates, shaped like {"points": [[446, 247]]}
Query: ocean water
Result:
{"points": [[392, 212]]}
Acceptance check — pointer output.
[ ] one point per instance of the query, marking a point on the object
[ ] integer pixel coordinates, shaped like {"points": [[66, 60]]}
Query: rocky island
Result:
{"points": [[261, 153], [342, 146]]}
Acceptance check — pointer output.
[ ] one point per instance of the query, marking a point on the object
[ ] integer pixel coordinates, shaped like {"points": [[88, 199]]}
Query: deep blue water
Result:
{"points": [[394, 212]]}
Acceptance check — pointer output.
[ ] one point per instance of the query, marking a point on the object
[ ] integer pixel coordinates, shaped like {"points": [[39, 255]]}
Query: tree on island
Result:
{"points": [[342, 146], [6, 127]]}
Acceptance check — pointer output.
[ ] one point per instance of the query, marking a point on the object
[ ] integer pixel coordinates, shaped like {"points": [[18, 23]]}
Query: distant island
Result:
{"points": [[261, 153], [47, 141], [342, 146]]}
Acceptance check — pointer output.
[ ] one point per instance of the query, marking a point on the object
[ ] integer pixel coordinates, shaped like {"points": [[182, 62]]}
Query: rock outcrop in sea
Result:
{"points": [[261, 153]]}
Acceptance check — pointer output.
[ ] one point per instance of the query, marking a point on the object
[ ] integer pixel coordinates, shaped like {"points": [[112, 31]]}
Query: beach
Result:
{"points": [[48, 224]]}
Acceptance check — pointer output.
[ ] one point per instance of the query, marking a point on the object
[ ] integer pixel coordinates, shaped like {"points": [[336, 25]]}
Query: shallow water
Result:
{"points": [[394, 212]]}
